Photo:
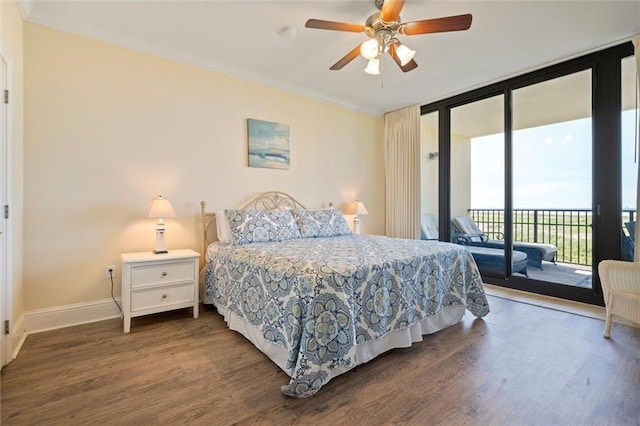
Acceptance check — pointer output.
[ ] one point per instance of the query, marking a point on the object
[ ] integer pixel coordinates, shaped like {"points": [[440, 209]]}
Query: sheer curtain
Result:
{"points": [[636, 44], [402, 172]]}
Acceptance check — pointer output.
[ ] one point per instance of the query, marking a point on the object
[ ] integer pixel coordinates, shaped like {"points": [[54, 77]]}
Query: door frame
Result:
{"points": [[6, 275]]}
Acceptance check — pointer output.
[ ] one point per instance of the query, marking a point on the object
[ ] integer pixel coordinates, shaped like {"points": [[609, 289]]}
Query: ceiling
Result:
{"points": [[244, 39]]}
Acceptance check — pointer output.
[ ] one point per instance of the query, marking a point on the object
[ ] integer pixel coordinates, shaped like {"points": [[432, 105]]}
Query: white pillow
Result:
{"points": [[222, 228]]}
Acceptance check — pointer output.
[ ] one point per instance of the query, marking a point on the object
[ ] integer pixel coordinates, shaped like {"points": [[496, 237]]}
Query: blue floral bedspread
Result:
{"points": [[320, 297]]}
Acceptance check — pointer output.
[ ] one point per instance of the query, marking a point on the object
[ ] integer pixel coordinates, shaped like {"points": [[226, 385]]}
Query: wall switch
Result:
{"points": [[109, 268]]}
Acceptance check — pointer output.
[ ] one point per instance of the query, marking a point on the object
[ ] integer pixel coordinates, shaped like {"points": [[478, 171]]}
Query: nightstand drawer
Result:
{"points": [[164, 296], [165, 273]]}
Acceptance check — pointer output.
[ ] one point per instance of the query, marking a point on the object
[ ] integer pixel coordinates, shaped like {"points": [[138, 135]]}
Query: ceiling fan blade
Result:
{"points": [[391, 10], [409, 66], [335, 26], [346, 59], [437, 25]]}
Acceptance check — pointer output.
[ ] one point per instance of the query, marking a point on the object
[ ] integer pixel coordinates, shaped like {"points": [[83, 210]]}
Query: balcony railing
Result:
{"points": [[567, 229]]}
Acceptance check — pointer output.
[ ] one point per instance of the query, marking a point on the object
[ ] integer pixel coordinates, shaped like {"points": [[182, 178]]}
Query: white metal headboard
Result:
{"points": [[272, 200]]}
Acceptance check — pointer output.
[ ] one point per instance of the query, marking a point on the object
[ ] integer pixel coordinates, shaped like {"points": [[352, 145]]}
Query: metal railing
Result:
{"points": [[567, 229]]}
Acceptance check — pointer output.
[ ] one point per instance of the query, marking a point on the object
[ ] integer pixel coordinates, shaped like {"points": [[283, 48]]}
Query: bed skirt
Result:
{"points": [[365, 352]]}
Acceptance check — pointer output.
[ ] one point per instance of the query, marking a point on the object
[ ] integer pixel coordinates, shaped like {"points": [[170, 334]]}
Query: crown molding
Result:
{"points": [[26, 7], [208, 64]]}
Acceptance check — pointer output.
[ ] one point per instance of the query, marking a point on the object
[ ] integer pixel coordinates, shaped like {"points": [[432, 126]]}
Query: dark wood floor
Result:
{"points": [[520, 365]]}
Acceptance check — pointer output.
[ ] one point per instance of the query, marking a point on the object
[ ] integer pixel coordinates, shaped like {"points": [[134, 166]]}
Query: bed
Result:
{"points": [[322, 301]]}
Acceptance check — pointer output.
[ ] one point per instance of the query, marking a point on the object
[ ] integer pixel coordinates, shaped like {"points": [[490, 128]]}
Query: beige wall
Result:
{"points": [[107, 129], [11, 39], [429, 166], [460, 169], [460, 175]]}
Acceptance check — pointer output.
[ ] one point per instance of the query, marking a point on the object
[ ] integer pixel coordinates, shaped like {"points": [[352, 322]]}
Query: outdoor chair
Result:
{"points": [[627, 242], [627, 246], [631, 227], [428, 227], [466, 231], [489, 260], [621, 290]]}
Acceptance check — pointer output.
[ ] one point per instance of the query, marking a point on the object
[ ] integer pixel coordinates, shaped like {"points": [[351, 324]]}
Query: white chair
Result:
{"points": [[621, 289]]}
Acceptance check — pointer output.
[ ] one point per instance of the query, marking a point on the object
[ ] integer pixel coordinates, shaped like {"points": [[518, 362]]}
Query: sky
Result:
{"points": [[552, 167]]}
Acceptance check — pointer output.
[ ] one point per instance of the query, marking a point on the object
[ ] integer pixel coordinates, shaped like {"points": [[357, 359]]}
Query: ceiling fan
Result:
{"points": [[383, 29]]}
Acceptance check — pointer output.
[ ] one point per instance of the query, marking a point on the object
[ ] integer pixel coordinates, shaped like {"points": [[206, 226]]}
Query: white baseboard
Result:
{"points": [[70, 315], [18, 336]]}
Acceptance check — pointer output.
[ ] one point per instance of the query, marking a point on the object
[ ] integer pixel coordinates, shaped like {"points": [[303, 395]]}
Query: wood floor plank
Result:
{"points": [[522, 364]]}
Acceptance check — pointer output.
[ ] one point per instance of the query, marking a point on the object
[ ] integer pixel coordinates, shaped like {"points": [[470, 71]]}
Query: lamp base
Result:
{"points": [[160, 244]]}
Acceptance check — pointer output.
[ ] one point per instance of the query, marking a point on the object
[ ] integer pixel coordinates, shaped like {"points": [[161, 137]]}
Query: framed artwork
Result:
{"points": [[268, 144]]}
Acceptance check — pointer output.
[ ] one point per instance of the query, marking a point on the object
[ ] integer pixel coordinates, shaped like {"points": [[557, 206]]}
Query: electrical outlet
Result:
{"points": [[109, 270]]}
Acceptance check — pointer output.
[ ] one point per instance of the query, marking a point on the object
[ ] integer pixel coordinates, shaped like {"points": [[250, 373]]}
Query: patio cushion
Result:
{"points": [[429, 227], [491, 260], [467, 227], [548, 250], [466, 232]]}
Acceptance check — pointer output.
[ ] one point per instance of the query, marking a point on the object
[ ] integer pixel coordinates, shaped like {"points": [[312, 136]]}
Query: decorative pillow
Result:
{"points": [[261, 226], [321, 223], [222, 228]]}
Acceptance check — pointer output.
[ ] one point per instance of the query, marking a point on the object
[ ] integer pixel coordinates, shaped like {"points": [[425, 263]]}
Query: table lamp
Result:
{"points": [[160, 208], [356, 208]]}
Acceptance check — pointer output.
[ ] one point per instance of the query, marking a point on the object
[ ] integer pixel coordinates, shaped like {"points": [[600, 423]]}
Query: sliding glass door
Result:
{"points": [[477, 182], [537, 174], [629, 118], [552, 178]]}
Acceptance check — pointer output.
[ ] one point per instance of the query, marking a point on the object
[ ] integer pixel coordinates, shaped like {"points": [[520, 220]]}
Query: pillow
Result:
{"points": [[321, 223], [222, 228], [261, 226]]}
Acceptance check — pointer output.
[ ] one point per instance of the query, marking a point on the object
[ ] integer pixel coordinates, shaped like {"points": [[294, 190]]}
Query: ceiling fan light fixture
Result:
{"points": [[369, 49], [404, 54], [382, 28], [373, 67]]}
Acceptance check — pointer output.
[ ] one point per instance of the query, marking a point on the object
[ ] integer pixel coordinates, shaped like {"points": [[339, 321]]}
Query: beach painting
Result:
{"points": [[268, 144]]}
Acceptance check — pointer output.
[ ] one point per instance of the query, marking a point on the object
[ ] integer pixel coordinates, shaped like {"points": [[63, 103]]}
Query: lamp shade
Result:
{"points": [[357, 208], [160, 208], [404, 54], [373, 67]]}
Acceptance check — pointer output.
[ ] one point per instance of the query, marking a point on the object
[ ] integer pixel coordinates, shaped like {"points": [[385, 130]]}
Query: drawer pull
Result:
{"points": [[164, 296], [164, 274]]}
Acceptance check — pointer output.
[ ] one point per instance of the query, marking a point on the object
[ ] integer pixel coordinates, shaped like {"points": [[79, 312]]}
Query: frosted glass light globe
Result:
{"points": [[369, 49], [373, 67], [405, 54]]}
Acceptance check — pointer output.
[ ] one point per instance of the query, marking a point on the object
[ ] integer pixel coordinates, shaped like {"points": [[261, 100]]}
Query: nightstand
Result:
{"points": [[159, 282]]}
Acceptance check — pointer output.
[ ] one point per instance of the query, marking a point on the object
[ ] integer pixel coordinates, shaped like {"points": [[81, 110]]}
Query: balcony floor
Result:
{"points": [[562, 273]]}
